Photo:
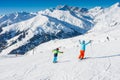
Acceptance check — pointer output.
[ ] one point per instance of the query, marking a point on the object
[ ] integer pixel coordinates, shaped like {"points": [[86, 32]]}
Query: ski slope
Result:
{"points": [[102, 55], [102, 60]]}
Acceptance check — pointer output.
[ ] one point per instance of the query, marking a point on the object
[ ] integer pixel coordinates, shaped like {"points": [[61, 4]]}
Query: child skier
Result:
{"points": [[83, 48], [56, 52]]}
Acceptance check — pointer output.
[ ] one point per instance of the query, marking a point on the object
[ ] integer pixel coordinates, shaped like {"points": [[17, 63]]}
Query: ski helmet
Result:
{"points": [[57, 48], [83, 41]]}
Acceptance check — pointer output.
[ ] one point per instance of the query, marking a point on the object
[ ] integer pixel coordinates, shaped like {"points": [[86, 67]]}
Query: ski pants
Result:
{"points": [[55, 58], [81, 55]]}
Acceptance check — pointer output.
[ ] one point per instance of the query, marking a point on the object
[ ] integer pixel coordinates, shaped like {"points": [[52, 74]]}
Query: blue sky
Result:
{"points": [[10, 6]]}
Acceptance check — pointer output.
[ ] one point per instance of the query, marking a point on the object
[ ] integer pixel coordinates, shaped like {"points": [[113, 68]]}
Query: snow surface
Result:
{"points": [[102, 63]]}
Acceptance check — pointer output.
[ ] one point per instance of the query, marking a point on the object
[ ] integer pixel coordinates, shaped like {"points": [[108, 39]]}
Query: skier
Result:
{"points": [[83, 48], [56, 52], [108, 38]]}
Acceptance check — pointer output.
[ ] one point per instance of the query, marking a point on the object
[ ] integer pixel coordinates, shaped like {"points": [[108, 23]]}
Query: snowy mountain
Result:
{"points": [[108, 19], [65, 8], [41, 28], [57, 23], [12, 18], [71, 8], [95, 11]]}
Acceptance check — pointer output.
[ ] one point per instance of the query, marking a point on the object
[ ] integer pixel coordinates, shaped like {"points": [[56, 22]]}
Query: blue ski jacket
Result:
{"points": [[83, 45]]}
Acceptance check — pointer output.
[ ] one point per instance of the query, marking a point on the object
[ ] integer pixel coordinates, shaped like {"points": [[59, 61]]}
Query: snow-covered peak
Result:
{"points": [[96, 8], [108, 19], [14, 18], [45, 12], [96, 11], [18, 14], [71, 8], [116, 5], [62, 7]]}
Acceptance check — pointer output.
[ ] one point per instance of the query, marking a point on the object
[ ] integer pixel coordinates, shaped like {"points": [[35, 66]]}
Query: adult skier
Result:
{"points": [[56, 52], [83, 48]]}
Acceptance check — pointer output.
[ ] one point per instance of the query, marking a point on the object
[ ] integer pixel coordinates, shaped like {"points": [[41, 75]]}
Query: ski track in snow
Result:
{"points": [[74, 71]]}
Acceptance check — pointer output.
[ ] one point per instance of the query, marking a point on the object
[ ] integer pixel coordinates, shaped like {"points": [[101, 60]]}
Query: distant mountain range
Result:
{"points": [[12, 18]]}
